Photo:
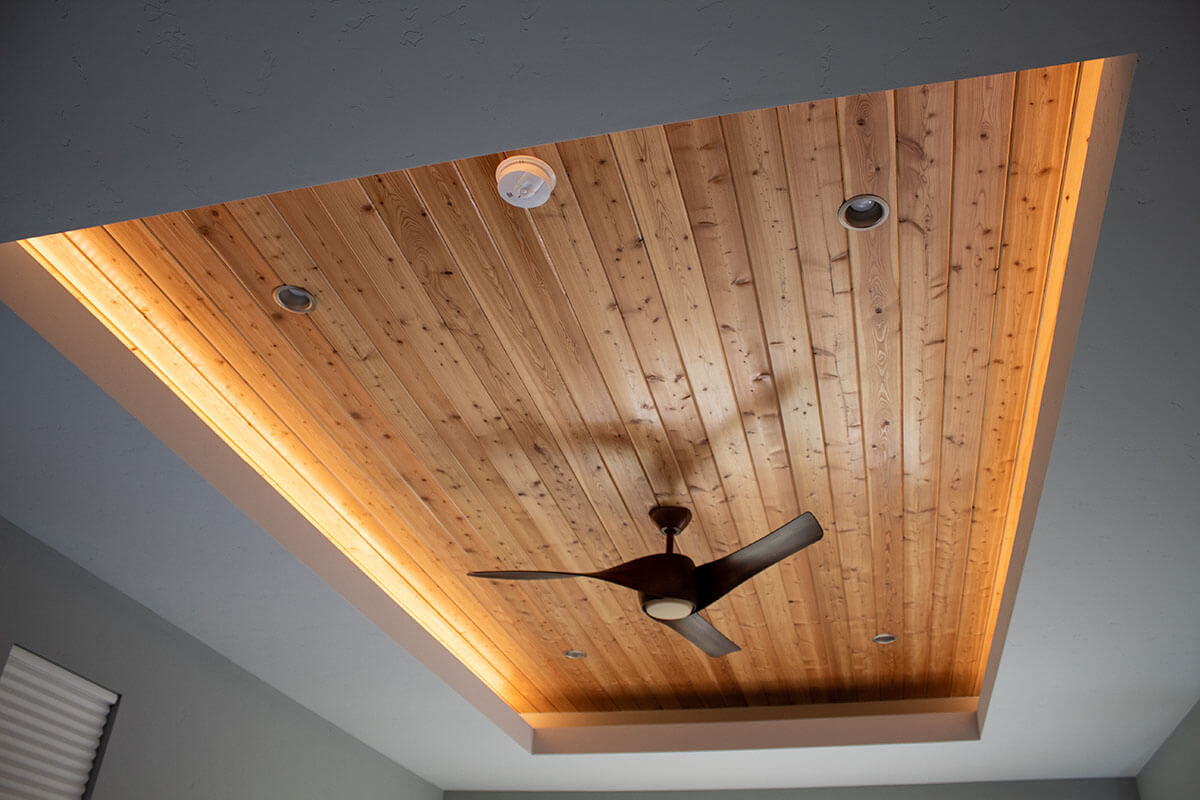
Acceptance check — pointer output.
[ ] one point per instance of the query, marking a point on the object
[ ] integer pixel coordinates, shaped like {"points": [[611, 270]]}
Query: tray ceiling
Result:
{"points": [[685, 322]]}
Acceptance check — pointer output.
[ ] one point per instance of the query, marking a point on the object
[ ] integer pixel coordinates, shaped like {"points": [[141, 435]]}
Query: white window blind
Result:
{"points": [[51, 724]]}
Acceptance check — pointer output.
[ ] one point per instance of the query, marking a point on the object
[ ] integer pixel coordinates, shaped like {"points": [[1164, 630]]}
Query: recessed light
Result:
{"points": [[574, 654], [863, 212], [883, 638], [295, 298]]}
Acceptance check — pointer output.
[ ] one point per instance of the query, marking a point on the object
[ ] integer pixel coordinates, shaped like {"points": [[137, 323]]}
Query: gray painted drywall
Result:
{"points": [[301, 93], [1089, 789], [1173, 772], [191, 724]]}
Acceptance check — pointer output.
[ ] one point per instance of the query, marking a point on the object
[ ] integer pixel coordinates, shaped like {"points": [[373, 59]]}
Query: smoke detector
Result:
{"points": [[524, 181]]}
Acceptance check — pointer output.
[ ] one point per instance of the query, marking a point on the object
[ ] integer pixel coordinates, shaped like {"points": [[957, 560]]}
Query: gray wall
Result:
{"points": [[191, 724], [1095, 789], [1173, 772], [206, 102]]}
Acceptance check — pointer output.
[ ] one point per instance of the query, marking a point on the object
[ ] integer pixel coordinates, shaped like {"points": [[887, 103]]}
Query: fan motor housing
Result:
{"points": [[673, 581]]}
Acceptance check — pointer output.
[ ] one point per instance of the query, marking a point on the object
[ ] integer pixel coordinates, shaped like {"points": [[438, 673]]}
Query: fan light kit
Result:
{"points": [[662, 608], [524, 181], [863, 212], [296, 299], [674, 590]]}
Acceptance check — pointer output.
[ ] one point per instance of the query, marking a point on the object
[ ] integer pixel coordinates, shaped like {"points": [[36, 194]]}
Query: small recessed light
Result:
{"points": [[863, 212], [883, 638], [295, 298], [574, 654]]}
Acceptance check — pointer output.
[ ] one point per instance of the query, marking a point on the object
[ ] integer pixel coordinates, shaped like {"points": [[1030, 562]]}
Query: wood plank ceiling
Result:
{"points": [[685, 322]]}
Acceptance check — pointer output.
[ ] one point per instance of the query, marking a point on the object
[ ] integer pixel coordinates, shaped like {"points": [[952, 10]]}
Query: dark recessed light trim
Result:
{"points": [[574, 654], [296, 299], [863, 212], [883, 638]]}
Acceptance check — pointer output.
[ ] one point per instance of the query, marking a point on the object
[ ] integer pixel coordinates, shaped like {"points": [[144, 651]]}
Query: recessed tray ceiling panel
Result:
{"points": [[686, 323]]}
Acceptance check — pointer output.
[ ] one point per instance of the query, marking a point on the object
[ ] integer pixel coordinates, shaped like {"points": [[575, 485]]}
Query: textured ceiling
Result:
{"points": [[1102, 639]]}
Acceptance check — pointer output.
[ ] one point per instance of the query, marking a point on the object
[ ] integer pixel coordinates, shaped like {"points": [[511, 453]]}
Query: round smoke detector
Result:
{"points": [[524, 181]]}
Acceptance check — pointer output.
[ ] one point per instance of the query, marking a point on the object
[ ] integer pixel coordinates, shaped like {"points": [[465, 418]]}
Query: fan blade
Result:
{"points": [[716, 578], [527, 575], [700, 632], [662, 575]]}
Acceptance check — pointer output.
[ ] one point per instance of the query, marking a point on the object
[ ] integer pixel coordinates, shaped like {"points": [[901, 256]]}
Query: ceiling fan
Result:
{"points": [[674, 590]]}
